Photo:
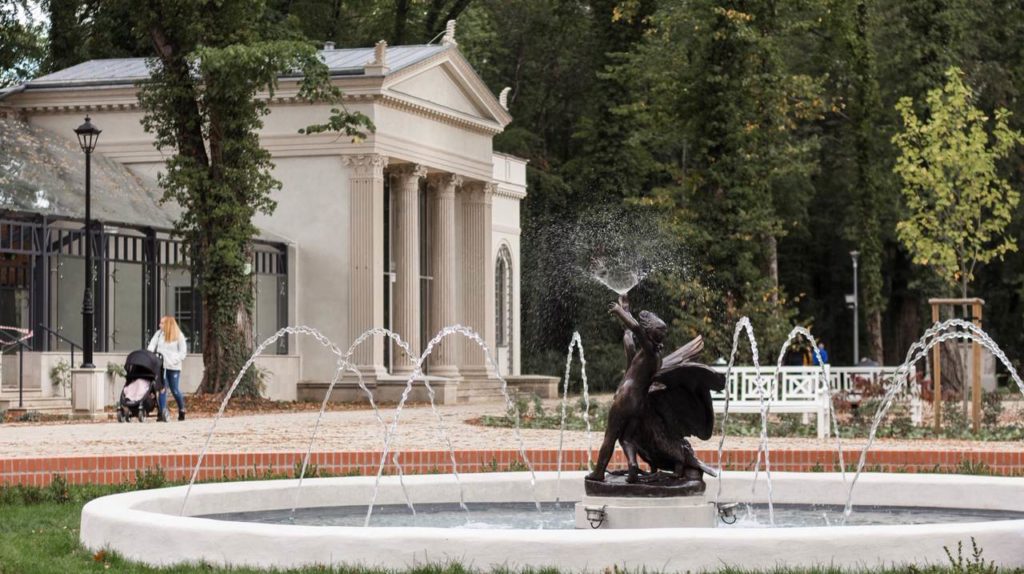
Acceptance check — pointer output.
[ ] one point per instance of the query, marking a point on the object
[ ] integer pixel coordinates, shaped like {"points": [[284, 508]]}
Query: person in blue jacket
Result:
{"points": [[824, 355]]}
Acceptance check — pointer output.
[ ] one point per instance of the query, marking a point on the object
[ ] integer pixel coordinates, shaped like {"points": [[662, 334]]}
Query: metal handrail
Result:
{"points": [[22, 345], [63, 338]]}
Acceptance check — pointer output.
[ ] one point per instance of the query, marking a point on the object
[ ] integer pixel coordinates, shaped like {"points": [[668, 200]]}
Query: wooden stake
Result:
{"points": [[976, 378]]}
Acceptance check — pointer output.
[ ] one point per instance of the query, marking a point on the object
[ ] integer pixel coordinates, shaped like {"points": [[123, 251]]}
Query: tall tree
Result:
{"points": [[609, 163], [81, 30], [352, 23], [21, 42], [959, 206], [739, 162], [212, 59], [855, 157]]}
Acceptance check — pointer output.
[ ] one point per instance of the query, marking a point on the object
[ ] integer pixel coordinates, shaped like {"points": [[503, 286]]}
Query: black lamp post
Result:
{"points": [[87, 136], [856, 310]]}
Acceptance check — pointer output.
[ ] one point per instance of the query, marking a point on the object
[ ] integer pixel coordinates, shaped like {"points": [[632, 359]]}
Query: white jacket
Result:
{"points": [[173, 351]]}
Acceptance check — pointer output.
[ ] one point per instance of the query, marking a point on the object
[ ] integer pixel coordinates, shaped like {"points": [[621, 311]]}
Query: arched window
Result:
{"points": [[503, 298]]}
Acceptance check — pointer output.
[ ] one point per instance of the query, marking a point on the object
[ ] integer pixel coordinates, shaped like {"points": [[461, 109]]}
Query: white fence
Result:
{"points": [[802, 390]]}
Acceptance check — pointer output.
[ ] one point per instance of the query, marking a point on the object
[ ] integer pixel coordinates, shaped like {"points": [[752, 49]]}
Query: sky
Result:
{"points": [[36, 14]]}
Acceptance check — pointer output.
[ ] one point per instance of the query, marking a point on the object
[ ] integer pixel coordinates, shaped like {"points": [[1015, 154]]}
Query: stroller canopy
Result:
{"points": [[143, 363]]}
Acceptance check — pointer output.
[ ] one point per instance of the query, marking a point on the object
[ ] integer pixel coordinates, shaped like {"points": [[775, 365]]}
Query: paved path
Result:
{"points": [[352, 430]]}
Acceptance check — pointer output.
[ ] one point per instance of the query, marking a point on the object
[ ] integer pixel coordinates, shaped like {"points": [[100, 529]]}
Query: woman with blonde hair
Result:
{"points": [[170, 343]]}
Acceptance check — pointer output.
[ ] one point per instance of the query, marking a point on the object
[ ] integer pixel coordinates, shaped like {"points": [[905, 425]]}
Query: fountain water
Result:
{"points": [[997, 532], [823, 386], [298, 330], [575, 343], [616, 276], [744, 326], [937, 334], [417, 371], [323, 408]]}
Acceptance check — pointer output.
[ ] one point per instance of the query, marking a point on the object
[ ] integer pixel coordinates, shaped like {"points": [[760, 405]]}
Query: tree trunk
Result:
{"points": [[401, 19], [874, 328], [226, 348], [772, 247]]}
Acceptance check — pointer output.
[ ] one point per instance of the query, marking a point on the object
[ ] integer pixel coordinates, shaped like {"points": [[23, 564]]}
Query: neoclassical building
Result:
{"points": [[413, 229]]}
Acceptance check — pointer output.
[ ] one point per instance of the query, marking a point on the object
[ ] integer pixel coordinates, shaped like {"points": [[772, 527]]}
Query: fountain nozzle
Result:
{"points": [[596, 516], [727, 512]]}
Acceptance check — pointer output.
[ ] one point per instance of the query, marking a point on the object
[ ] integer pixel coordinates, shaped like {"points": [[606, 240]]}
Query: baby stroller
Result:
{"points": [[143, 380]]}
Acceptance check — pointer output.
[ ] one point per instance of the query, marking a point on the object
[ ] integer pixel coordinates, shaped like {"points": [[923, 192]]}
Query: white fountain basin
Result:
{"points": [[145, 526]]}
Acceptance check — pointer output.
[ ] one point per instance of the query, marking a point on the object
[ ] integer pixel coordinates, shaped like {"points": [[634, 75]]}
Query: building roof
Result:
{"points": [[44, 173], [342, 62]]}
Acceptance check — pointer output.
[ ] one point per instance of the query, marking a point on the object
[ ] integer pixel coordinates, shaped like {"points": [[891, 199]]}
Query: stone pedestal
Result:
{"points": [[635, 512], [89, 393]]}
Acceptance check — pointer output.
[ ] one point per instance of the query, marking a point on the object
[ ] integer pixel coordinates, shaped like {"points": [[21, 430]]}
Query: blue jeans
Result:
{"points": [[171, 380]]}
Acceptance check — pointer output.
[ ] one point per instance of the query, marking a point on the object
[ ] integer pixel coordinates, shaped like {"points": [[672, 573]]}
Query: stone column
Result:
{"points": [[443, 266], [406, 238], [477, 278], [366, 241]]}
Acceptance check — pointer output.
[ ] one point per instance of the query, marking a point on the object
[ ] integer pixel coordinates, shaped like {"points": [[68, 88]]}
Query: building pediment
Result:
{"points": [[440, 86], [448, 84]]}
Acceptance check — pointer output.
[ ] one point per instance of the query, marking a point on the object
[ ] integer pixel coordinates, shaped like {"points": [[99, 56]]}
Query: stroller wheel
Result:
{"points": [[120, 416], [142, 415]]}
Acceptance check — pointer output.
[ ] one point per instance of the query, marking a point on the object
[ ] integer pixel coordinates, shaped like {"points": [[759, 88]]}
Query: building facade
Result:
{"points": [[413, 229]]}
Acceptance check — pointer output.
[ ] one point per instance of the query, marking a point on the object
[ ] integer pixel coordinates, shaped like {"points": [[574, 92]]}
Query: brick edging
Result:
{"points": [[115, 469]]}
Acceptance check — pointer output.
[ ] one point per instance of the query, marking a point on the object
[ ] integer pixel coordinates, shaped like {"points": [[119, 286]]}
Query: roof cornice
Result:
{"points": [[123, 97]]}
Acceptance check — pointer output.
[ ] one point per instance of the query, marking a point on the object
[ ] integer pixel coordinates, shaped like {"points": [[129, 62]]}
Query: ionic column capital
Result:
{"points": [[366, 165]]}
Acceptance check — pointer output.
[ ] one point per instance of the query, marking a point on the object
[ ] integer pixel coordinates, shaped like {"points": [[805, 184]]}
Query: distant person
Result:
{"points": [[794, 356], [170, 343], [822, 352]]}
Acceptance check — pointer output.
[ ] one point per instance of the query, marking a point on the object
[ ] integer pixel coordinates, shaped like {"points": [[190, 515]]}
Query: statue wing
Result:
{"points": [[681, 395], [683, 354]]}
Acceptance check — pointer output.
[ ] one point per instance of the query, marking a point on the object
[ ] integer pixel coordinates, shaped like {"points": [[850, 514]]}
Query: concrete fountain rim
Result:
{"points": [[113, 522]]}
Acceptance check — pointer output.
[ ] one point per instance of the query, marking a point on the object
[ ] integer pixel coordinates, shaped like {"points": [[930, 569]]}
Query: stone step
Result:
{"points": [[474, 400], [41, 404], [13, 391], [479, 393]]}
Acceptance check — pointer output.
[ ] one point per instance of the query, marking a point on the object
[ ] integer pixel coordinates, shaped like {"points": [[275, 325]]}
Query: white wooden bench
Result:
{"points": [[796, 389]]}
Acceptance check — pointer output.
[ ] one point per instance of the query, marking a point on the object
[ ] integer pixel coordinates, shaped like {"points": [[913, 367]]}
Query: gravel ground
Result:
{"points": [[353, 430]]}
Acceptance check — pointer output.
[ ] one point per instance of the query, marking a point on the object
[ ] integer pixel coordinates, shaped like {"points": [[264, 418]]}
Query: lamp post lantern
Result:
{"points": [[87, 135], [856, 311]]}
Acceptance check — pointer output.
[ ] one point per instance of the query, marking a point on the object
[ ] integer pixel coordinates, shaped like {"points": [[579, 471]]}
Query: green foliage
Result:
{"points": [[150, 478], [204, 101], [973, 564], [60, 376], [959, 206], [21, 42], [760, 129], [533, 415], [312, 469], [855, 423], [116, 370], [81, 30], [729, 116]]}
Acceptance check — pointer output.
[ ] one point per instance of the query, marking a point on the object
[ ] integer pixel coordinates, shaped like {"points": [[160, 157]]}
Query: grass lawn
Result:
{"points": [[40, 536]]}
